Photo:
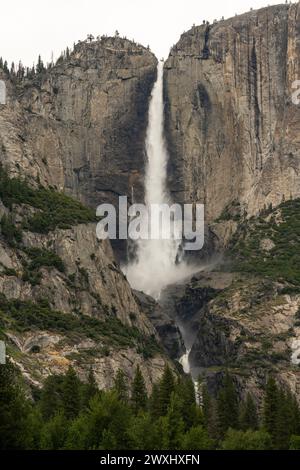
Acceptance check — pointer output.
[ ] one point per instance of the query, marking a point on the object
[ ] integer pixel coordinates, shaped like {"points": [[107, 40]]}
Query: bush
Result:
{"points": [[33, 277], [26, 316], [248, 440], [41, 257], [10, 272], [295, 443], [282, 262], [55, 209], [11, 234], [197, 439]]}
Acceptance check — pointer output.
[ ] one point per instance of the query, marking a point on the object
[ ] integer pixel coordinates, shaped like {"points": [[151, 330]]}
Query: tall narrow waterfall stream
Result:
{"points": [[156, 264]]}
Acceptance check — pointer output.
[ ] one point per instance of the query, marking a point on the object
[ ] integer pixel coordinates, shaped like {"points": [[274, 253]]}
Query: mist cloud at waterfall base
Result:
{"points": [[152, 275]]}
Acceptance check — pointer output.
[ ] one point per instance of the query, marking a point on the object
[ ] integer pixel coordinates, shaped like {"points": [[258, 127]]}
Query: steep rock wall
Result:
{"points": [[80, 126], [232, 130]]}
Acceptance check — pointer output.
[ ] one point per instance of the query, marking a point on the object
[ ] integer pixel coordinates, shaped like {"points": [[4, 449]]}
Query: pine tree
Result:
{"points": [[138, 392], [248, 414], [296, 415], [284, 421], [173, 425], [120, 386], [295, 443], [206, 405], [166, 388], [5, 67], [54, 433], [20, 71], [210, 414], [197, 438], [248, 440], [40, 65], [71, 394], [214, 427], [227, 405], [154, 403], [51, 397], [143, 433], [14, 410], [90, 389], [270, 409], [186, 390]]}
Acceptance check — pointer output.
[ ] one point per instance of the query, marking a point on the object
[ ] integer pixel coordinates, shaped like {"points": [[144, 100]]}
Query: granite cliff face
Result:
{"points": [[64, 300], [236, 322], [80, 126], [77, 127], [232, 130], [233, 136]]}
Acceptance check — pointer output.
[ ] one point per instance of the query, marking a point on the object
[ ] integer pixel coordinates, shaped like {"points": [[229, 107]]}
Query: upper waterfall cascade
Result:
{"points": [[156, 263]]}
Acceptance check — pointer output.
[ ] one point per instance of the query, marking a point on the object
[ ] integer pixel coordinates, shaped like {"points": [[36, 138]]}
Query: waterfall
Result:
{"points": [[156, 264], [184, 361]]}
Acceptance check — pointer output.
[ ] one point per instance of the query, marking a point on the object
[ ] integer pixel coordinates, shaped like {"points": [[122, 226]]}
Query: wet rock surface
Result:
{"points": [[165, 324]]}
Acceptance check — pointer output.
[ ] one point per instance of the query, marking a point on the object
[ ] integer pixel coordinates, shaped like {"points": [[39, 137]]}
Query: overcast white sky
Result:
{"points": [[30, 27]]}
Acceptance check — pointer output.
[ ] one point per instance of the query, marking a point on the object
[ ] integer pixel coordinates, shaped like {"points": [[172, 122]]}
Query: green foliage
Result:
{"points": [[231, 212], [283, 229], [154, 401], [197, 438], [248, 418], [120, 386], [185, 389], [71, 394], [89, 390], [14, 410], [44, 258], [248, 440], [280, 415], [55, 209], [33, 277], [148, 346], [139, 396], [227, 405], [26, 315], [172, 425], [65, 416], [102, 426], [295, 443], [39, 258], [166, 388], [10, 232], [271, 405], [51, 399], [10, 272], [54, 433], [143, 432]]}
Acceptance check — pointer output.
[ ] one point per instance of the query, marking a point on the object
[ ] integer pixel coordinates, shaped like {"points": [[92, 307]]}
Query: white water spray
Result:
{"points": [[184, 361], [155, 266]]}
